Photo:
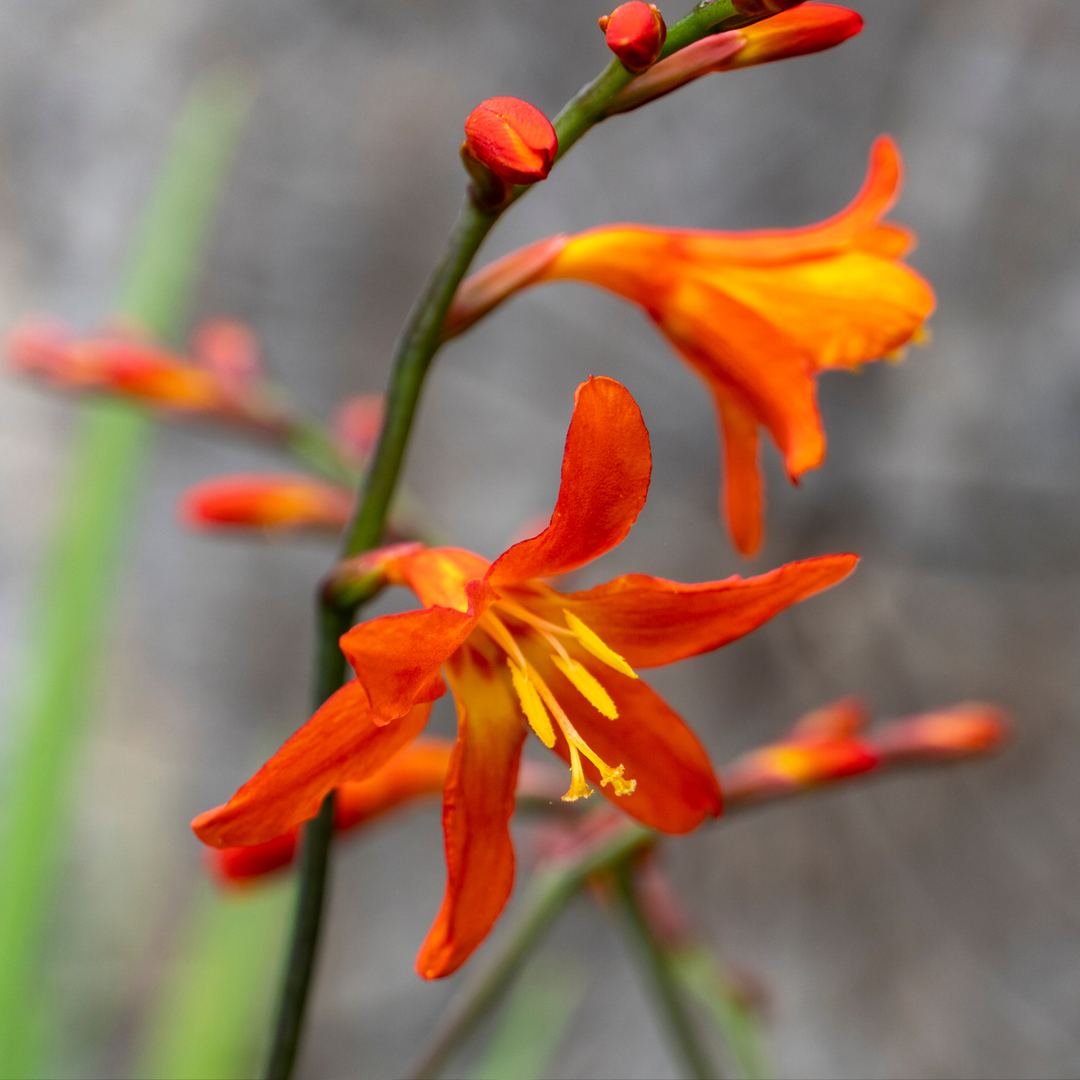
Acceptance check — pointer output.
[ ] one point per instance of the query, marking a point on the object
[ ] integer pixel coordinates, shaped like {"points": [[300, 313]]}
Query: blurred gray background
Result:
{"points": [[928, 926]]}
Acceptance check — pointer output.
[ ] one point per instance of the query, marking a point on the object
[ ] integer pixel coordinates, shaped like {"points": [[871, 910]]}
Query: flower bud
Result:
{"points": [[512, 138], [807, 29], [266, 502], [966, 730], [358, 423], [635, 33]]}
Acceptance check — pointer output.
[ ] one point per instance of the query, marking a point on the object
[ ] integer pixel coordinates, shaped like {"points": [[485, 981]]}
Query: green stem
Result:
{"points": [[549, 894], [657, 969], [416, 348], [314, 867]]}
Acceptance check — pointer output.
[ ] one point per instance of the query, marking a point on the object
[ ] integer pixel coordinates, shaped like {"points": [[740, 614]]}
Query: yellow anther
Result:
{"points": [[592, 642], [531, 705], [579, 788], [588, 685], [618, 781]]}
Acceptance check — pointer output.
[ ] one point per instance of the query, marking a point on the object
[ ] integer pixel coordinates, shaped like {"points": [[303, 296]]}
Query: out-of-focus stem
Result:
{"points": [[657, 969], [549, 894], [73, 603]]}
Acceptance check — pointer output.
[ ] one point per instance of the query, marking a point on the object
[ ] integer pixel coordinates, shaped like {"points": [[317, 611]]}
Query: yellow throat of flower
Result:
{"points": [[540, 705]]}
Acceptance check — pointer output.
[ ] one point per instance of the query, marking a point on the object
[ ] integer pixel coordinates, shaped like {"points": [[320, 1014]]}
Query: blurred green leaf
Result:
{"points": [[703, 976], [69, 619], [534, 1022], [209, 1020]]}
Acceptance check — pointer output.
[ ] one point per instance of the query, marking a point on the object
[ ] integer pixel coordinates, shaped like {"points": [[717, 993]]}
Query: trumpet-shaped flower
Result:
{"points": [[756, 315], [517, 654]]}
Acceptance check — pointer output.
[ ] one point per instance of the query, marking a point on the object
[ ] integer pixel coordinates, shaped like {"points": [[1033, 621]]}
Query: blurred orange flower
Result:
{"points": [[756, 315], [511, 647]]}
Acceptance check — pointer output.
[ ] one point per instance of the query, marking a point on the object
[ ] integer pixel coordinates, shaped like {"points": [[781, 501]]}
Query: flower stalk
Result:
{"points": [[416, 348]]}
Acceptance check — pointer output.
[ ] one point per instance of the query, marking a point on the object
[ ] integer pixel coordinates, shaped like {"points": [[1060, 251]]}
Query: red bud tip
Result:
{"points": [[265, 502], [358, 423], [635, 33], [512, 138], [965, 730], [227, 347], [809, 28]]}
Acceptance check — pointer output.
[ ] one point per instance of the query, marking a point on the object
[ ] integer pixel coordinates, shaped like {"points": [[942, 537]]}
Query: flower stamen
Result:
{"points": [[592, 642]]}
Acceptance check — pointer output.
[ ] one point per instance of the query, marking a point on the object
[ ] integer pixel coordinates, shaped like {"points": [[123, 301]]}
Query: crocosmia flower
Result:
{"points": [[519, 655], [757, 315]]}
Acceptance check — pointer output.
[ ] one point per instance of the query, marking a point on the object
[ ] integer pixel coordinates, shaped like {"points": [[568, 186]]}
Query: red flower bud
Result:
{"points": [[964, 730], [257, 501], [635, 33], [512, 138], [809, 28]]}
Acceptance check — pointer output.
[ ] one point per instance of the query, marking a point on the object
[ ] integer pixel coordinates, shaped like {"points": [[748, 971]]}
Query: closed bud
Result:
{"points": [[267, 502], [512, 139], [806, 29], [635, 33], [967, 730]]}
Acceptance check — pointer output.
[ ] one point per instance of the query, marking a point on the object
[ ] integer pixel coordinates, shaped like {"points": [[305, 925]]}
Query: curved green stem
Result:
{"points": [[416, 348]]}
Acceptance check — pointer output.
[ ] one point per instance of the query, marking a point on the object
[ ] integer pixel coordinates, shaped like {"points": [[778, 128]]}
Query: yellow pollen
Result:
{"points": [[608, 775], [539, 704], [592, 642], [579, 788], [588, 685], [531, 705]]}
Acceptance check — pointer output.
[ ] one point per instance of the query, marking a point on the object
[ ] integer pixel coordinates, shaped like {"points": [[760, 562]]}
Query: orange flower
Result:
{"points": [[270, 502], [756, 315], [417, 771], [513, 648]]}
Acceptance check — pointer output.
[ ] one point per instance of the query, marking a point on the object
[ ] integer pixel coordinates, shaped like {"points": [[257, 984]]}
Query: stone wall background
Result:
{"points": [[928, 926]]}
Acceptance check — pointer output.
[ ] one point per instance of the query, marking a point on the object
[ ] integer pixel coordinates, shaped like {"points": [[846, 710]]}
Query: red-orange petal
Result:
{"points": [[397, 657], [676, 787], [478, 801], [742, 498], [650, 621], [415, 772], [605, 478], [340, 742]]}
